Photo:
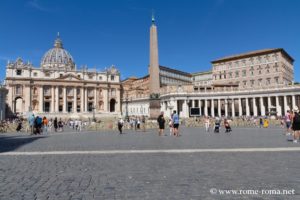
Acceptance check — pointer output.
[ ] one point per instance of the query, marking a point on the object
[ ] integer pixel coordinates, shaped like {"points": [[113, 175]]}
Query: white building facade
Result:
{"points": [[57, 88]]}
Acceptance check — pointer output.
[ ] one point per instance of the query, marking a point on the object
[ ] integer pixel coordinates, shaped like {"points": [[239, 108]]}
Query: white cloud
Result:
{"points": [[36, 5]]}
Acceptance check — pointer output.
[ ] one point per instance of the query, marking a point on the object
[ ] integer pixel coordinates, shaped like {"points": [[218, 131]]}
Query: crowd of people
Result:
{"points": [[42, 125], [37, 125], [134, 123]]}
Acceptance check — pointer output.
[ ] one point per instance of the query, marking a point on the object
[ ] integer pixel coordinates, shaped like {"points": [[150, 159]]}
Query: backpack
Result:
{"points": [[296, 118]]}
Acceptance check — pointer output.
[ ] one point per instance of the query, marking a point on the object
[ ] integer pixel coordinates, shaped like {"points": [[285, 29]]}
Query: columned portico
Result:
{"points": [[232, 108], [226, 107], [57, 99], [240, 107], [85, 100], [52, 99], [293, 101], [247, 107], [286, 107], [213, 108], [64, 99], [219, 107], [41, 100], [205, 107], [75, 100], [254, 106], [262, 107]]}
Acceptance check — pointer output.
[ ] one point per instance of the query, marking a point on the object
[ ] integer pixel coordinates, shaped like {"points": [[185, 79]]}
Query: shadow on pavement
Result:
{"points": [[10, 143]]}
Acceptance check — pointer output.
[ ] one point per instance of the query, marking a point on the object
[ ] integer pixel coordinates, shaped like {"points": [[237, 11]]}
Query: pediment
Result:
{"points": [[69, 77]]}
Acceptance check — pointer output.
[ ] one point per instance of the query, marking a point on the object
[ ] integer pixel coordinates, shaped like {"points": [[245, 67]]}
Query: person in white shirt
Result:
{"points": [[207, 123]]}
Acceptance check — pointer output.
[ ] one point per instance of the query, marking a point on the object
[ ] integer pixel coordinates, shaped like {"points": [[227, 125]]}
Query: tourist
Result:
{"points": [[45, 125], [60, 125], [55, 123], [227, 126], [75, 125], [79, 127], [288, 118], [31, 123], [217, 125], [20, 126], [296, 124], [206, 124], [120, 125], [144, 123], [50, 125], [171, 125], [138, 122], [161, 123], [176, 123], [261, 122]]}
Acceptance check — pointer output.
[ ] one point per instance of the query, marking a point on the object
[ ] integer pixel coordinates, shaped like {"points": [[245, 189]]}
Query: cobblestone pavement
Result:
{"points": [[148, 176]]}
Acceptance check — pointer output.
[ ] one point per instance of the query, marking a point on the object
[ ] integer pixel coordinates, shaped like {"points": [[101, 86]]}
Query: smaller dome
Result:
{"points": [[58, 57]]}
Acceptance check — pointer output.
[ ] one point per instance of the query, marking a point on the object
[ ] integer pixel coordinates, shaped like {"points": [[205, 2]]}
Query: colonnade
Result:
{"points": [[232, 106], [77, 99]]}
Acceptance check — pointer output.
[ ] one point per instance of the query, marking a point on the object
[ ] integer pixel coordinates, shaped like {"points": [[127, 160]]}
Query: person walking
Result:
{"points": [[296, 124], [288, 118], [120, 125], [161, 123], [176, 123], [207, 123], [144, 123], [31, 120], [45, 125], [55, 123], [261, 123], [171, 125]]}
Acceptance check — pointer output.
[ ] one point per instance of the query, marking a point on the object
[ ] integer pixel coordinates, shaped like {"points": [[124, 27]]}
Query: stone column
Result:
{"points": [[254, 106], [293, 101], [193, 103], [212, 108], [64, 99], [247, 107], [85, 99], [278, 107], [205, 107], [95, 99], [56, 99], [41, 99], [200, 107], [105, 100], [185, 108], [262, 107], [269, 104], [232, 108], [286, 107], [219, 107], [27, 100], [82, 99], [119, 103], [52, 99], [75, 99], [226, 107], [240, 107]]}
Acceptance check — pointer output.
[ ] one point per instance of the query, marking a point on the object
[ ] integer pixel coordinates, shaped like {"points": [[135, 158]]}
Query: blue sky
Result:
{"points": [[191, 33]]}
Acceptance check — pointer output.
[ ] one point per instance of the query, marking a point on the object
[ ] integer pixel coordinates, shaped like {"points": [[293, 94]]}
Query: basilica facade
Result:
{"points": [[58, 88]]}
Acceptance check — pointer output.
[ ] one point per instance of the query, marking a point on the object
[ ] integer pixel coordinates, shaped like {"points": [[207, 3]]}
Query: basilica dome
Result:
{"points": [[57, 57]]}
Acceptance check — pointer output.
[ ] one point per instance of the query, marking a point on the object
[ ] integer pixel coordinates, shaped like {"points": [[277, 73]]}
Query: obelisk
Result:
{"points": [[154, 80]]}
